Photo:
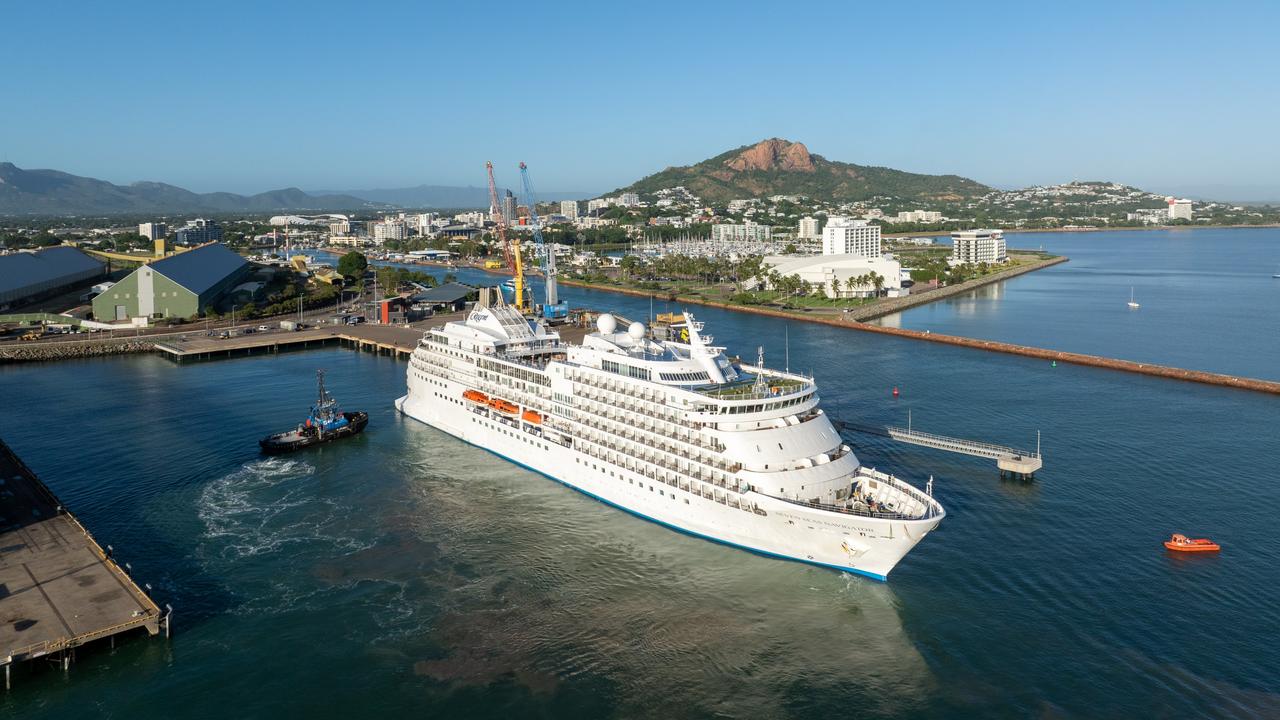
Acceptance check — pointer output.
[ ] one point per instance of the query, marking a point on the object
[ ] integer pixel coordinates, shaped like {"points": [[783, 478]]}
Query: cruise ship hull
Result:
{"points": [[773, 527]]}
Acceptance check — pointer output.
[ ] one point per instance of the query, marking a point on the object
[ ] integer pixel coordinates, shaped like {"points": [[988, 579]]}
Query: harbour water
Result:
{"points": [[405, 572], [1208, 299]]}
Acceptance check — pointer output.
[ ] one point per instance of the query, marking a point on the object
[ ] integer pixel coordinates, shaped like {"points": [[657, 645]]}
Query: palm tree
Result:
{"points": [[835, 287], [877, 280], [850, 283]]}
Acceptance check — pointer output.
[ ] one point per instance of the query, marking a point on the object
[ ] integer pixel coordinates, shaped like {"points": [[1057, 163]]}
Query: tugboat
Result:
{"points": [[325, 424]]}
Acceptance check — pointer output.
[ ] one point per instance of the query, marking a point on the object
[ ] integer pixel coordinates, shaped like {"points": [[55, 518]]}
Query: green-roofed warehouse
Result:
{"points": [[179, 286]]}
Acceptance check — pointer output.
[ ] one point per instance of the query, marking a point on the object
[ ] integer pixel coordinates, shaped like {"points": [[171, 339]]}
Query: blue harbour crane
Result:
{"points": [[552, 310]]}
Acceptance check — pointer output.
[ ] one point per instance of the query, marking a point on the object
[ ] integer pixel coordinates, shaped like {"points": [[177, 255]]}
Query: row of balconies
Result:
{"points": [[629, 432], [712, 489], [650, 453], [680, 433], [630, 400]]}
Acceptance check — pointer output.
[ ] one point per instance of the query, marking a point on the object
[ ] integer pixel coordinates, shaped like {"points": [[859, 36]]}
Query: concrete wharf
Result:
{"points": [[58, 588], [397, 341], [1009, 461]]}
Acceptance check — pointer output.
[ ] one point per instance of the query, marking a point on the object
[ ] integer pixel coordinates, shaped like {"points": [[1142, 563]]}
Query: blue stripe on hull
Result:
{"points": [[677, 528]]}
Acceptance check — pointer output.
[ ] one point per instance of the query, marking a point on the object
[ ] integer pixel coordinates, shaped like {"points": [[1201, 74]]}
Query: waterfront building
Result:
{"points": [[918, 241], [847, 236], [390, 229], [751, 232], [198, 232], [809, 228], [969, 247], [181, 285], [471, 219], [29, 276], [153, 230], [349, 240], [820, 270], [569, 209], [674, 431], [1179, 209], [1149, 216], [919, 216], [421, 223], [340, 227]]}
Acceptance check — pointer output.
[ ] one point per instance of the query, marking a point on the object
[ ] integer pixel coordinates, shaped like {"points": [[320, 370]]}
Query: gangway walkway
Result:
{"points": [[1018, 463]]}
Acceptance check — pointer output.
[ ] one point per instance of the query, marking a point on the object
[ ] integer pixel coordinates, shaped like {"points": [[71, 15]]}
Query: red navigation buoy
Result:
{"points": [[895, 391]]}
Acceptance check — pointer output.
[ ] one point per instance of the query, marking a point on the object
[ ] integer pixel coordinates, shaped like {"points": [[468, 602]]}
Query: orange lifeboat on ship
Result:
{"points": [[476, 396], [530, 416], [503, 406], [1182, 543]]}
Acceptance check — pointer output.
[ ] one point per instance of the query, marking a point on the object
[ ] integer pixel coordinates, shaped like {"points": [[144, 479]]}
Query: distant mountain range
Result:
{"points": [[440, 196], [782, 167], [50, 192]]}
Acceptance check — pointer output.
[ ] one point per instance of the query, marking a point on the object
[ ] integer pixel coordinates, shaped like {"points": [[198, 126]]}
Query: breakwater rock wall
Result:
{"points": [[1164, 371], [856, 321], [890, 306], [37, 352], [884, 307]]}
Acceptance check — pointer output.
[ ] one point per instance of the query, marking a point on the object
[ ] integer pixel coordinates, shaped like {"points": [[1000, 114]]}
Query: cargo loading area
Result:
{"points": [[58, 588]]}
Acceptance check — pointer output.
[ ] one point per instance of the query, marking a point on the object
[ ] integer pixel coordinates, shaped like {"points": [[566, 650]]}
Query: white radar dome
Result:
{"points": [[636, 330], [606, 324]]}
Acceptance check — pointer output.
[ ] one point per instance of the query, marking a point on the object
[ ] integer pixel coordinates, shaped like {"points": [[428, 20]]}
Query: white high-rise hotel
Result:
{"points": [[569, 209], [809, 228], [846, 236], [970, 247]]}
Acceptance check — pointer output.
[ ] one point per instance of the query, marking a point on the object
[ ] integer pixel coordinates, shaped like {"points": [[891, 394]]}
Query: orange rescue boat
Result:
{"points": [[531, 416], [1182, 543], [476, 397], [503, 406]]}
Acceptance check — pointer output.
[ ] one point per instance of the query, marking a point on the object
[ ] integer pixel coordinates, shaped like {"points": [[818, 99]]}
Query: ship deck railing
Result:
{"points": [[755, 388], [846, 510]]}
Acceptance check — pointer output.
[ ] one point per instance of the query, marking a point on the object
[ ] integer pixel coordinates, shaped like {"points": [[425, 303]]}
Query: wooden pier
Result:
{"points": [[59, 589], [1010, 461]]}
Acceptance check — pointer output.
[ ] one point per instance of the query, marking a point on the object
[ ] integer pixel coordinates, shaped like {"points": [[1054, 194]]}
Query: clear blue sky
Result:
{"points": [[249, 96]]}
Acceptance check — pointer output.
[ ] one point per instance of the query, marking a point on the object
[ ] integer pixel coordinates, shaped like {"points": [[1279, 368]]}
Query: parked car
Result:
{"points": [[263, 328]]}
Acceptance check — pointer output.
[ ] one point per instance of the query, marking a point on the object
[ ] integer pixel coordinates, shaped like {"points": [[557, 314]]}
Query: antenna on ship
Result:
{"points": [[760, 368]]}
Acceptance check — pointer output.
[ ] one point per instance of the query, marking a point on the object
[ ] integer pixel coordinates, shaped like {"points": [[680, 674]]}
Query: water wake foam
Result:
{"points": [[266, 505]]}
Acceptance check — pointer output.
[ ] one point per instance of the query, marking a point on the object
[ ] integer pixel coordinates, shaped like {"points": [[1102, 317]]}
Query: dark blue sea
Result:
{"points": [[405, 574]]}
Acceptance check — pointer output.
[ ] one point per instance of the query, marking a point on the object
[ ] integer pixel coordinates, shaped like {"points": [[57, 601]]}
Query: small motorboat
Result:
{"points": [[325, 424], [1182, 543]]}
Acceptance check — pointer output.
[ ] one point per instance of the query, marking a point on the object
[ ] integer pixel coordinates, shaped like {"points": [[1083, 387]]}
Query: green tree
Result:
{"points": [[352, 265]]}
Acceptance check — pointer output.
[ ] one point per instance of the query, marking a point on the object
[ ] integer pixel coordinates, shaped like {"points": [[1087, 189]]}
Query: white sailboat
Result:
{"points": [[1132, 303]]}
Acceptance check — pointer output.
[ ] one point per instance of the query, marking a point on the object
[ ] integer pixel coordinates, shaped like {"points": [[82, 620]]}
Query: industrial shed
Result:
{"points": [[29, 276], [181, 285]]}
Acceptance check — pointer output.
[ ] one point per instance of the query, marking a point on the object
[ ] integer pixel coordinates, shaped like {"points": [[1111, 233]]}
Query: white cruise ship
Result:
{"points": [[675, 432]]}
